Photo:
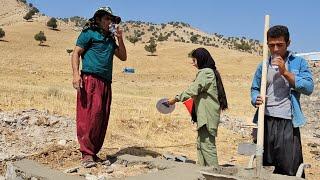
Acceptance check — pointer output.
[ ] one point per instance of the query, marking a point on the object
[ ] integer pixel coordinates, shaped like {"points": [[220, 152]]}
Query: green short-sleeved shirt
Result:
{"points": [[98, 56]]}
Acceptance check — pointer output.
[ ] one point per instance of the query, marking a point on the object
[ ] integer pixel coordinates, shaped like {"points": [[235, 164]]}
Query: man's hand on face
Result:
{"points": [[119, 33], [280, 63]]}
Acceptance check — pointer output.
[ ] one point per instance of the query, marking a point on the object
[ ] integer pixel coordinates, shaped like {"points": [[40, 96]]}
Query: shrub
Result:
{"points": [[28, 16], [162, 38], [23, 1], [69, 51], [243, 46], [133, 39], [52, 23], [2, 33], [194, 38], [34, 10], [152, 47], [40, 37]]}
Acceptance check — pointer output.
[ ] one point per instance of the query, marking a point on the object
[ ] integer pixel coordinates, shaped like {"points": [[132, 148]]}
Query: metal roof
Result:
{"points": [[312, 56]]}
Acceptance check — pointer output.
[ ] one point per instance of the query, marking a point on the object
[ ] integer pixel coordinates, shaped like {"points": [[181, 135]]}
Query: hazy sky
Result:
{"points": [[226, 17]]}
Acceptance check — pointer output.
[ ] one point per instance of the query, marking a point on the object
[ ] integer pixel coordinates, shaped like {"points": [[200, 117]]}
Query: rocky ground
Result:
{"points": [[36, 134], [311, 108], [27, 132], [33, 134]]}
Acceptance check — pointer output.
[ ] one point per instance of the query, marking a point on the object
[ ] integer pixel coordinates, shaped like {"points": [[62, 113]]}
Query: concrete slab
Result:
{"points": [[27, 169], [167, 169], [240, 173], [176, 173]]}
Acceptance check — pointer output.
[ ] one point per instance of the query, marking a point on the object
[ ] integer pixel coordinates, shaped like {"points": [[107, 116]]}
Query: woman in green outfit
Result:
{"points": [[209, 98]]}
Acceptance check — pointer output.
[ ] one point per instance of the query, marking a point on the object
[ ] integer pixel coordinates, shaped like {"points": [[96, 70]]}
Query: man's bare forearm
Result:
{"points": [[122, 50], [75, 61], [290, 77]]}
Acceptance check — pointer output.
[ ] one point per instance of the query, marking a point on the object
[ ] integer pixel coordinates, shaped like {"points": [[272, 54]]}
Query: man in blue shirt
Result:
{"points": [[96, 45], [288, 77]]}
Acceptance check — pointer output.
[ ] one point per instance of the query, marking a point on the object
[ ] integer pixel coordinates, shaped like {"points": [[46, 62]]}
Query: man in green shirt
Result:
{"points": [[96, 46]]}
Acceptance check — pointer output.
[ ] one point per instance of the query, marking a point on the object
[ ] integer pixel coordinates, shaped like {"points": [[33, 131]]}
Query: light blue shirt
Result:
{"points": [[303, 85]]}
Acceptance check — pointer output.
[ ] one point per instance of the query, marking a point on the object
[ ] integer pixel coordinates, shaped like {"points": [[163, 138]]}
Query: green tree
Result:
{"points": [[34, 10], [152, 47], [2, 33], [28, 16], [133, 39], [162, 38], [243, 46], [151, 28], [52, 23], [40, 37], [69, 51], [23, 1], [194, 38]]}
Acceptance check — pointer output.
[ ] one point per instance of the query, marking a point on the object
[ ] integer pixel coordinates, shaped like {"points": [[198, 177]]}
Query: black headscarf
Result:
{"points": [[205, 60]]}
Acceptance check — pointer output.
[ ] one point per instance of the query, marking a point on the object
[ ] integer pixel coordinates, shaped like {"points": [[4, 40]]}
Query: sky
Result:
{"points": [[235, 18]]}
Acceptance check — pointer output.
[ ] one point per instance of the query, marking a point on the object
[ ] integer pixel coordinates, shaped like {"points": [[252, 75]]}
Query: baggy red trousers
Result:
{"points": [[93, 110]]}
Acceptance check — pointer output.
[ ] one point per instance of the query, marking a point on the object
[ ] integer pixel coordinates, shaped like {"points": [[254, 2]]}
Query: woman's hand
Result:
{"points": [[172, 101]]}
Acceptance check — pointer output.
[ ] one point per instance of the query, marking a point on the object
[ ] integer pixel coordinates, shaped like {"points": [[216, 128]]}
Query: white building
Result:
{"points": [[312, 57]]}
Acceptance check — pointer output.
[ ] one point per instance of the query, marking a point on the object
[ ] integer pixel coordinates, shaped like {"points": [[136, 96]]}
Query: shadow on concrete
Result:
{"points": [[138, 151], [135, 151]]}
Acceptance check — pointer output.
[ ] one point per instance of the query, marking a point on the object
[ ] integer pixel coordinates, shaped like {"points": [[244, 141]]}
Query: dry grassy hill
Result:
{"points": [[12, 11], [40, 77], [142, 32], [183, 32]]}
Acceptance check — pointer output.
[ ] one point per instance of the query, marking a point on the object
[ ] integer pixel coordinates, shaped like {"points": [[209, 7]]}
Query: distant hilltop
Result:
{"points": [[135, 31], [142, 32]]}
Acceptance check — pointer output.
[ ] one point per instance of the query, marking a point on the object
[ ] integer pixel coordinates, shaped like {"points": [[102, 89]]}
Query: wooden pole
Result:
{"points": [[259, 150]]}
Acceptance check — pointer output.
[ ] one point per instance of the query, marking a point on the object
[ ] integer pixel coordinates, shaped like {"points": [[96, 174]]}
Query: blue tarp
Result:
{"points": [[128, 70]]}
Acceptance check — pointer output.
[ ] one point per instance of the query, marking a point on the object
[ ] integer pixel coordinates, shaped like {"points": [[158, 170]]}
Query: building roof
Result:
{"points": [[312, 56]]}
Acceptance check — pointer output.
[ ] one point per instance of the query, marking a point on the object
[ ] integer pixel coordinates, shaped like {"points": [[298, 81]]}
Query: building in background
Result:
{"points": [[312, 57]]}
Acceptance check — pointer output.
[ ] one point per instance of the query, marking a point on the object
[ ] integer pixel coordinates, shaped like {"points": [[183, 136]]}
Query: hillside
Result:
{"points": [[39, 77], [142, 32], [12, 11], [183, 32]]}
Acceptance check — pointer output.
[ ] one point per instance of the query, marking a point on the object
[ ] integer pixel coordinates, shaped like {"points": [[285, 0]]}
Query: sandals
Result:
{"points": [[88, 162], [97, 159], [105, 162]]}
